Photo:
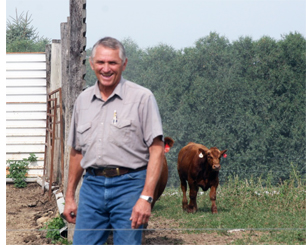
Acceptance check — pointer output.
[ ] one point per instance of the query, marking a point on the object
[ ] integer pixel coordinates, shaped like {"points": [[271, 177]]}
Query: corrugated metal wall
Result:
{"points": [[26, 108]]}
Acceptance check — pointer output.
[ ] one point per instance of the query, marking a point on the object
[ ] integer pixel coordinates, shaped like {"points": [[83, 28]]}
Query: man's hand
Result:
{"points": [[141, 213], [70, 211]]}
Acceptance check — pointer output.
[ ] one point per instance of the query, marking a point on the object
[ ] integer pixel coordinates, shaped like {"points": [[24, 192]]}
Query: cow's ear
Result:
{"points": [[223, 152], [201, 153], [169, 141]]}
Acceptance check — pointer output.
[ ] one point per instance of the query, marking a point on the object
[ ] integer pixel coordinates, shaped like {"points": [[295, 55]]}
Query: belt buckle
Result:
{"points": [[105, 172], [118, 171]]}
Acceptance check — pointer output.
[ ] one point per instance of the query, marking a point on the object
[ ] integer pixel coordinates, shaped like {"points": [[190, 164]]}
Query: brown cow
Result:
{"points": [[200, 167]]}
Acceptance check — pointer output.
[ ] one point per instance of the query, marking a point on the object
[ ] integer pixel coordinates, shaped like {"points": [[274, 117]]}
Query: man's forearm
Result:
{"points": [[75, 173], [154, 167]]}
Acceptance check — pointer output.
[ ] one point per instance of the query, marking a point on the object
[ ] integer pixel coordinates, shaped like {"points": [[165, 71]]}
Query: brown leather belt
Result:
{"points": [[113, 172]]}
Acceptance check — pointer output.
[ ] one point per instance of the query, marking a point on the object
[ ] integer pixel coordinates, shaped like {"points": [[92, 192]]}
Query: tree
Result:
{"points": [[21, 36], [90, 75], [246, 96]]}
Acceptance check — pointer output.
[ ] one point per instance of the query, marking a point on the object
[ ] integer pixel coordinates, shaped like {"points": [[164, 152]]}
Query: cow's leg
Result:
{"points": [[213, 199], [184, 189], [193, 191]]}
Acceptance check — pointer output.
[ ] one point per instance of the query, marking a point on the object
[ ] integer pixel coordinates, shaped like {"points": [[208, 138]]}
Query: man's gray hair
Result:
{"points": [[112, 43]]}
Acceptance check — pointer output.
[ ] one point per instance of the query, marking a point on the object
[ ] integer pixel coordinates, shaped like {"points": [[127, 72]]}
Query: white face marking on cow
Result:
{"points": [[201, 155]]}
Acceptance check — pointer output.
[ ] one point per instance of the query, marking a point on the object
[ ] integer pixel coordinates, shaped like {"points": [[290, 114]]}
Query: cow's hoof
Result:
{"points": [[191, 210]]}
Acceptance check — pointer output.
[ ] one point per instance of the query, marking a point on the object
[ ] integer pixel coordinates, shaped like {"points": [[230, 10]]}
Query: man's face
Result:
{"points": [[108, 67]]}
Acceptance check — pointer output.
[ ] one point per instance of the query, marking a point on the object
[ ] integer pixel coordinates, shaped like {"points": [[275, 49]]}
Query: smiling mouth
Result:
{"points": [[106, 75]]}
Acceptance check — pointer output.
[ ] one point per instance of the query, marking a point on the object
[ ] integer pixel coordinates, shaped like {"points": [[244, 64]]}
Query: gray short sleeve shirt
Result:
{"points": [[116, 132]]}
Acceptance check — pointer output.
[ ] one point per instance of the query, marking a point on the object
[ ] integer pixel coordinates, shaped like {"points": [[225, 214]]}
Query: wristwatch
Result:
{"points": [[147, 198]]}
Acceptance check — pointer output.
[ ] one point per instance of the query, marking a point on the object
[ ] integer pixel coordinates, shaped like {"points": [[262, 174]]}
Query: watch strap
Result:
{"points": [[147, 198]]}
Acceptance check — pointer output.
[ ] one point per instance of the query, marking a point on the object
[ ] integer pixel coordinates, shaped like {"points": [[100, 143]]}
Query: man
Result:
{"points": [[116, 136]]}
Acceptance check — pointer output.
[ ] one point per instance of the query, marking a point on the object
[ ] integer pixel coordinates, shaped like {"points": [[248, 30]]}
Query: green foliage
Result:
{"points": [[18, 170], [276, 213], [246, 96], [53, 231], [21, 35], [90, 75], [32, 157]]}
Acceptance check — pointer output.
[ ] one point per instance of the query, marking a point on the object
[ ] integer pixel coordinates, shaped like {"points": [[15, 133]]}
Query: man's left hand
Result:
{"points": [[141, 213]]}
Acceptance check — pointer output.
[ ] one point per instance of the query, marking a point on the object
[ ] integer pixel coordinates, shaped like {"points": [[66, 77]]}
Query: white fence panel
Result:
{"points": [[16, 132], [25, 57], [26, 98], [25, 66], [24, 140], [40, 157], [26, 124], [26, 108], [35, 115], [27, 82], [26, 90], [25, 74]]}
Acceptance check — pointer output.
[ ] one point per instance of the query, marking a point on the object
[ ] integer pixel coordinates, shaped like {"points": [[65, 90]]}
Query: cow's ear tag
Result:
{"points": [[201, 155], [167, 148]]}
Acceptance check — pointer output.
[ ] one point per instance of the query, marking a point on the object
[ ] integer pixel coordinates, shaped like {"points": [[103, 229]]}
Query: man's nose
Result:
{"points": [[105, 67]]}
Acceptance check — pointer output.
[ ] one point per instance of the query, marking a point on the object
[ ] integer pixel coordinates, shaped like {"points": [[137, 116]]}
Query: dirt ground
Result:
{"points": [[27, 210]]}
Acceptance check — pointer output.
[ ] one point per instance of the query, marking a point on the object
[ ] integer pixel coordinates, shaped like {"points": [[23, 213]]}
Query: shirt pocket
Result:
{"points": [[84, 133], [122, 133]]}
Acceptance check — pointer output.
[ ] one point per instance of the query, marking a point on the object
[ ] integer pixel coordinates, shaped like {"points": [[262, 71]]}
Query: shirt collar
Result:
{"points": [[119, 90]]}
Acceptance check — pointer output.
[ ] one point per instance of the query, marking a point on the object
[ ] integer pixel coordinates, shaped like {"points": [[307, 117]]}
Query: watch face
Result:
{"points": [[147, 198]]}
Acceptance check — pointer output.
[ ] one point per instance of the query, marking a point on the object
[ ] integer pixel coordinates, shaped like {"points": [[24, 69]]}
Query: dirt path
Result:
{"points": [[27, 208]]}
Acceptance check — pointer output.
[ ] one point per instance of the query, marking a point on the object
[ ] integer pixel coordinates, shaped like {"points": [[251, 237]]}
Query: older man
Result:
{"points": [[116, 136]]}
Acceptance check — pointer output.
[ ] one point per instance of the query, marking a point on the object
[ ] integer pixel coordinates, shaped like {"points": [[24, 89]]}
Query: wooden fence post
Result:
{"points": [[65, 47], [74, 55]]}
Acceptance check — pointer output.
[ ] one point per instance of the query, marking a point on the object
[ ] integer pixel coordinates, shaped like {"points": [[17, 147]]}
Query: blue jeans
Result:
{"points": [[106, 204]]}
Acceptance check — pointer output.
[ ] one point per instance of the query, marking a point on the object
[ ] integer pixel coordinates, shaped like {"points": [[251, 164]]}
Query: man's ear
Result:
{"points": [[124, 65], [91, 64]]}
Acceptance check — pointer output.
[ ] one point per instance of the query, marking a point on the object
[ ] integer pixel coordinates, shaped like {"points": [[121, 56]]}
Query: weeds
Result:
{"points": [[18, 170], [53, 231]]}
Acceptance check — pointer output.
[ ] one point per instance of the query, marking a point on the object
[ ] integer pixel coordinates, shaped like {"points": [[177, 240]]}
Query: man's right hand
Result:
{"points": [[70, 211], [74, 175]]}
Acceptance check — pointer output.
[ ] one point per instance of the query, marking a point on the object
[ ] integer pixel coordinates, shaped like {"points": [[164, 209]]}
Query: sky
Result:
{"points": [[177, 23]]}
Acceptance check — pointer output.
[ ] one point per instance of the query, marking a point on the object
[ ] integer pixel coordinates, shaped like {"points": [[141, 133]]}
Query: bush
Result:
{"points": [[18, 170], [53, 230]]}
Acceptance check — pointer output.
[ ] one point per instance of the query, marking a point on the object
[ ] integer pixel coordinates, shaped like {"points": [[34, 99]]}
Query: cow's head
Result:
{"points": [[212, 156]]}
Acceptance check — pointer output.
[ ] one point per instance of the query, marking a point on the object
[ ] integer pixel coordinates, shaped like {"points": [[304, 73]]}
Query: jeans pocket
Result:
{"points": [[88, 177], [137, 175]]}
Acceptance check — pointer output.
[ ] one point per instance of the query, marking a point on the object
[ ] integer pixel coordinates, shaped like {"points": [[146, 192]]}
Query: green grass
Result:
{"points": [[278, 212]]}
